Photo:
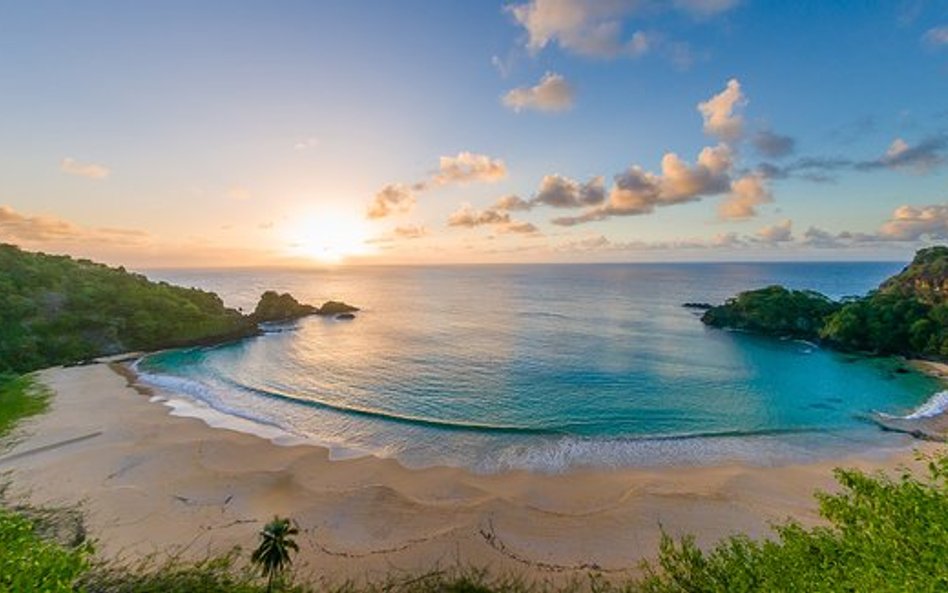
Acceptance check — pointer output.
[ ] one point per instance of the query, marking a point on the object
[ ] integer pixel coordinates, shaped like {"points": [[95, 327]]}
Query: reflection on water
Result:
{"points": [[544, 367]]}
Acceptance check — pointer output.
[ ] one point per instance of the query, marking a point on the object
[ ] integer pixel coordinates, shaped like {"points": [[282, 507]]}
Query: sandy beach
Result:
{"points": [[149, 482]]}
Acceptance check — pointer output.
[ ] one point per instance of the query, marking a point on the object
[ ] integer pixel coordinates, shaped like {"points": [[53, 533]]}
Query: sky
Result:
{"points": [[233, 133]]}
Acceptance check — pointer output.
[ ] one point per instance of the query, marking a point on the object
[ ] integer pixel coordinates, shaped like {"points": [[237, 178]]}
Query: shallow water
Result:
{"points": [[544, 367]]}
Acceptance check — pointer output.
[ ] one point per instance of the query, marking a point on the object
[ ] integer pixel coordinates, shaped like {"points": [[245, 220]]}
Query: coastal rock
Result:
{"points": [[345, 316], [335, 308], [699, 306], [280, 307]]}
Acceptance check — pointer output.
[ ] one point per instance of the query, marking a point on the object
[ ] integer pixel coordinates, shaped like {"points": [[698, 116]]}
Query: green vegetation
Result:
{"points": [[31, 563], [272, 556], [907, 315], [19, 397], [58, 310], [280, 307], [881, 534], [775, 310]]}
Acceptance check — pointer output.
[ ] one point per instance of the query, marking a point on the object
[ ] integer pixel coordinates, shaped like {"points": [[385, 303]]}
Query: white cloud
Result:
{"points": [[469, 167], [468, 217], [936, 36], [511, 203], [746, 193], [561, 192], [306, 144], [391, 199], [637, 191], [90, 170], [782, 232], [41, 230], [586, 27], [599, 28], [705, 8], [719, 115], [552, 94], [911, 223]]}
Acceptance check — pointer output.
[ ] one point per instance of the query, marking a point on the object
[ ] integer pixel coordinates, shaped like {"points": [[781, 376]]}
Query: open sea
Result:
{"points": [[540, 367]]}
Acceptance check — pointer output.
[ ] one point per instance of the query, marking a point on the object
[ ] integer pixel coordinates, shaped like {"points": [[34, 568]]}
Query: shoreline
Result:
{"points": [[151, 482]]}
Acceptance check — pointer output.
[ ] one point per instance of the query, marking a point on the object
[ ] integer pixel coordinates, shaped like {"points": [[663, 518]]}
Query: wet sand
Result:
{"points": [[149, 482]]}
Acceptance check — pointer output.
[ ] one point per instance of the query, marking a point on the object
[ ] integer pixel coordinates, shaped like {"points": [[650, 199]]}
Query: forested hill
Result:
{"points": [[56, 310], [907, 314]]}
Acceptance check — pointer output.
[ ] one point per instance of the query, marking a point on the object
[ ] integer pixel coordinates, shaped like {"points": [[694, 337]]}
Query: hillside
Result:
{"points": [[907, 314], [57, 310]]}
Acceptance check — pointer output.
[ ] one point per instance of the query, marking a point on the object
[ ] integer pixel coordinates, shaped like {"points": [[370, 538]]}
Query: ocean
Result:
{"points": [[539, 367]]}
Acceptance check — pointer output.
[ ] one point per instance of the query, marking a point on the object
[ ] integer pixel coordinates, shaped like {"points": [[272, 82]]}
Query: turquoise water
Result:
{"points": [[544, 367]]}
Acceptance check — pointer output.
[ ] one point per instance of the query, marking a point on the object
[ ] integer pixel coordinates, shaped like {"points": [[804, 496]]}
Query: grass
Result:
{"points": [[20, 397]]}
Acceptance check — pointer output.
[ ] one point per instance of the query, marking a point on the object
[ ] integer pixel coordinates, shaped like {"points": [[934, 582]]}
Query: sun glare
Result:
{"points": [[330, 237]]}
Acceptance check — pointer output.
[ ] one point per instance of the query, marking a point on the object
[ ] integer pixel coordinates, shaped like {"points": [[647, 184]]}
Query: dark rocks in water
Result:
{"points": [[280, 307], [701, 306], [345, 316], [335, 308], [900, 370]]}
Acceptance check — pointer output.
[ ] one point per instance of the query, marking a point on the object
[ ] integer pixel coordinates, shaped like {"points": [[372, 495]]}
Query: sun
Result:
{"points": [[330, 236]]}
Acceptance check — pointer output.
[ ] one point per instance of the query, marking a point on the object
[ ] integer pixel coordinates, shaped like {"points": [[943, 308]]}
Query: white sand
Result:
{"points": [[149, 482]]}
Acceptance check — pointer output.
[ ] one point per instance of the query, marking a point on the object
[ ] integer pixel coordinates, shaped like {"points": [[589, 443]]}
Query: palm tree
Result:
{"points": [[273, 553]]}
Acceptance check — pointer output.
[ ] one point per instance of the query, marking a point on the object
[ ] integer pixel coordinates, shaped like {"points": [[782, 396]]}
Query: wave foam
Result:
{"points": [[936, 405]]}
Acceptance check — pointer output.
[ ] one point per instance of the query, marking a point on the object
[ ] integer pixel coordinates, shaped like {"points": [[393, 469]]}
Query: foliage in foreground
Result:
{"points": [[31, 563], [19, 397], [884, 535], [273, 555]]}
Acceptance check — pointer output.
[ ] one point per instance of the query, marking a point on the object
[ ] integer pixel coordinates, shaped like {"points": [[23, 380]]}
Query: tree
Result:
{"points": [[273, 553]]}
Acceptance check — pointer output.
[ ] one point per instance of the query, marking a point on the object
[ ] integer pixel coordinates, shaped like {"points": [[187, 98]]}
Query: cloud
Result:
{"points": [[910, 223], [89, 170], [637, 192], [936, 37], [591, 28], [552, 94], [38, 230], [306, 144], [512, 203], [773, 145], [561, 192], [921, 158], [719, 115], [469, 167], [782, 232], [929, 154], [468, 217], [705, 8], [596, 28], [465, 167], [391, 199], [746, 193], [410, 232]]}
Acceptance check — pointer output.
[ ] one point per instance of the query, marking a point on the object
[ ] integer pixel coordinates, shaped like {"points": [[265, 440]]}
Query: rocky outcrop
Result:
{"points": [[280, 307], [335, 308]]}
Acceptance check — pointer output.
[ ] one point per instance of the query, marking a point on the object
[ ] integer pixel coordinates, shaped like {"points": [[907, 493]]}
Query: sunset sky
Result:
{"points": [[292, 133]]}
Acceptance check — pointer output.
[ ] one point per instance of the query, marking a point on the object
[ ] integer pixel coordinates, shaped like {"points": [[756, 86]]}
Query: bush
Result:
{"points": [[883, 535], [29, 563]]}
